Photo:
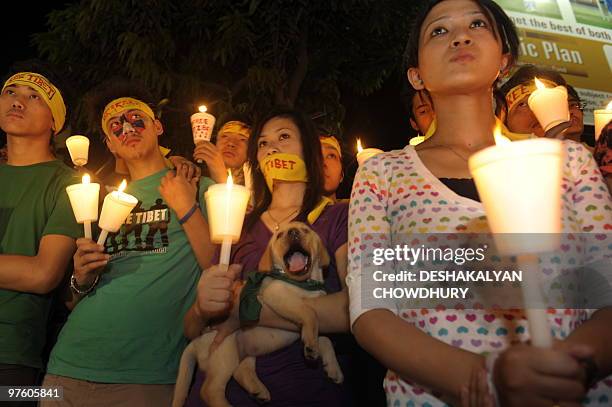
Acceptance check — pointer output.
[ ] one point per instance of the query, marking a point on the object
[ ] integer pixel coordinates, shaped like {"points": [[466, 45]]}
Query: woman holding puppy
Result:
{"points": [[456, 51], [285, 152]]}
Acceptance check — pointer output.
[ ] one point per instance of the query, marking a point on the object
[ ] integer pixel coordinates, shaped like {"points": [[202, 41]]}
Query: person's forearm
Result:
{"points": [[25, 274], [331, 310], [197, 231], [597, 333], [414, 355]]}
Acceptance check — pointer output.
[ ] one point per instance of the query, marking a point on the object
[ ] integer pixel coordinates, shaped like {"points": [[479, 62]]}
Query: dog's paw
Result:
{"points": [[261, 397], [311, 353], [334, 372]]}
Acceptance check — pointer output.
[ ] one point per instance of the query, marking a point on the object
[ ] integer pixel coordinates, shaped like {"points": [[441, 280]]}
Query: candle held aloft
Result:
{"points": [[602, 118], [78, 147], [549, 105], [365, 154], [202, 124], [84, 201], [115, 209], [226, 205]]}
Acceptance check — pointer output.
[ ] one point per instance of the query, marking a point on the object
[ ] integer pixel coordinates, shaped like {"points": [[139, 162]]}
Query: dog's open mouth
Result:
{"points": [[297, 260]]}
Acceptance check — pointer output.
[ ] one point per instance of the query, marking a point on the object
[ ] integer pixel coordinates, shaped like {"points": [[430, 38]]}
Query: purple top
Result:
{"points": [[291, 380]]}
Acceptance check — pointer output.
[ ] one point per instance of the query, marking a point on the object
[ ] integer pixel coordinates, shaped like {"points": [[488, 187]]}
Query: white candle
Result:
{"points": [[365, 154], [84, 201], [519, 184], [602, 118], [226, 205], [549, 105], [115, 209], [78, 147], [202, 124]]}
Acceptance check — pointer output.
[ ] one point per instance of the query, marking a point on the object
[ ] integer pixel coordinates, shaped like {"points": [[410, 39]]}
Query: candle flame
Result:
{"points": [[539, 84], [609, 107], [359, 147], [122, 186], [202, 109], [500, 139], [86, 179], [230, 180]]}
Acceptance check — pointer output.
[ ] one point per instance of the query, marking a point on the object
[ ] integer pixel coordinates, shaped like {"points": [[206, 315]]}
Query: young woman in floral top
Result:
{"points": [[456, 51]]}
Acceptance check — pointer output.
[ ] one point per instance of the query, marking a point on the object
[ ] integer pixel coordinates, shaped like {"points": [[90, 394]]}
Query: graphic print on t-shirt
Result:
{"points": [[144, 230]]}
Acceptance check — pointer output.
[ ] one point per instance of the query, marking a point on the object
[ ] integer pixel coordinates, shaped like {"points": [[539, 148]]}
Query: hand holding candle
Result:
{"points": [[115, 209], [226, 205], [202, 124], [78, 147], [519, 184], [84, 201], [365, 154], [550, 107], [602, 118]]}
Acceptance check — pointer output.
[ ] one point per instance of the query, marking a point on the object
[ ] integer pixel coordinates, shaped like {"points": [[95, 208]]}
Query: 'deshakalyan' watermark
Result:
{"points": [[416, 257]]}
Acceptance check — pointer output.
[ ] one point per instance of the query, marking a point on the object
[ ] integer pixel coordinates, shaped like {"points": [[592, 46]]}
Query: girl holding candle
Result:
{"points": [[283, 137], [456, 51]]}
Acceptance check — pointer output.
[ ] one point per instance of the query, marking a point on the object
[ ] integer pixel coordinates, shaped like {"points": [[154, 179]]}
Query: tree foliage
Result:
{"points": [[239, 56]]}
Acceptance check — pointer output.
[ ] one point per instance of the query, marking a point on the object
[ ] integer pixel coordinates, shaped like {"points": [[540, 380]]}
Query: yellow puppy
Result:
{"points": [[290, 271]]}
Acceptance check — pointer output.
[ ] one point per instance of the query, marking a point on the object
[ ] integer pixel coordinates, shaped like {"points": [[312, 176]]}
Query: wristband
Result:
{"points": [[189, 214], [76, 289], [489, 365]]}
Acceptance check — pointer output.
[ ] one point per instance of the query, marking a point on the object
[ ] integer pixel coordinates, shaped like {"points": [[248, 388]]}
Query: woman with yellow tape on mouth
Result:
{"points": [[285, 153]]}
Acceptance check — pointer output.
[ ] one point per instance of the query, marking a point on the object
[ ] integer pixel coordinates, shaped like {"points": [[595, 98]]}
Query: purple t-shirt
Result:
{"points": [[291, 380]]}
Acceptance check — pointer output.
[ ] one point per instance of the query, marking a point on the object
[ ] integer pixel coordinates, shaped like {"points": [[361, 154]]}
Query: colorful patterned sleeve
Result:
{"points": [[592, 206], [369, 233]]}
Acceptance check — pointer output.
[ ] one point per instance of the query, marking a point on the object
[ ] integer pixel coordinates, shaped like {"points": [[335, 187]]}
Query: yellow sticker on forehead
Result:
{"points": [[519, 92]]}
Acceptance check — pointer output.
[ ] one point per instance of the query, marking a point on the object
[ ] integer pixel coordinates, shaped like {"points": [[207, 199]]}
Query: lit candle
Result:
{"points": [[602, 118], [549, 105], [519, 184], [202, 124], [115, 209], [226, 205], [365, 154], [78, 147], [84, 201]]}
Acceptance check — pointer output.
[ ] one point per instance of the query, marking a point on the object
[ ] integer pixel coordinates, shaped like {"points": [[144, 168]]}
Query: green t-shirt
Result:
{"points": [[129, 329], [33, 203]]}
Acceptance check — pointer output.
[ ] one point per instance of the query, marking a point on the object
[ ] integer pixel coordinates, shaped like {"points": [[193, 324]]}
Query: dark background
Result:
{"points": [[379, 119]]}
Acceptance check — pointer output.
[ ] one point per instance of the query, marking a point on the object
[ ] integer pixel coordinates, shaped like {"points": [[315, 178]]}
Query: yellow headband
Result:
{"points": [[49, 93], [517, 93], [331, 141], [235, 126], [119, 105]]}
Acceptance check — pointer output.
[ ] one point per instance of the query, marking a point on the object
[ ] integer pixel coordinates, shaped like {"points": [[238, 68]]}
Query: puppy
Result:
{"points": [[290, 271]]}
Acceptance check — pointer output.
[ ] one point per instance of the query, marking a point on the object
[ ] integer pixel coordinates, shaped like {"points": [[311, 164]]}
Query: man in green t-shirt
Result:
{"points": [[37, 227], [122, 343]]}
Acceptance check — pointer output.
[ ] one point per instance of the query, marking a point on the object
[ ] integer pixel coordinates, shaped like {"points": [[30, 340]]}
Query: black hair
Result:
{"points": [[503, 26], [572, 93], [112, 89], [311, 148], [58, 77], [527, 73]]}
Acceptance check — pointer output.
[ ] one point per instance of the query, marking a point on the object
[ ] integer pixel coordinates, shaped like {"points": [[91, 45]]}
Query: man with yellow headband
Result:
{"points": [[333, 173], [517, 115], [229, 152], [122, 343], [37, 227]]}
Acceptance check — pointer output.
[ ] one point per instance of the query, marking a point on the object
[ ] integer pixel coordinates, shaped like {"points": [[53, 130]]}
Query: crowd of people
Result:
{"points": [[136, 300]]}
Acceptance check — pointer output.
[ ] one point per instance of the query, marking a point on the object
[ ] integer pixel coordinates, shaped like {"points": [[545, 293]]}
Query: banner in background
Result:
{"points": [[572, 37]]}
